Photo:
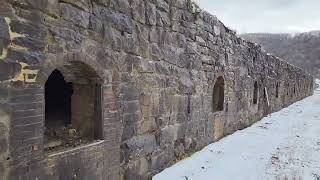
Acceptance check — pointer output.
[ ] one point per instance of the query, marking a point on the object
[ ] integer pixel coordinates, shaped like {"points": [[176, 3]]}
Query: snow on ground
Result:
{"points": [[284, 145]]}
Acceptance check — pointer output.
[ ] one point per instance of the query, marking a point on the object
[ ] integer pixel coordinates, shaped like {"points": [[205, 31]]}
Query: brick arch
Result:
{"points": [[73, 98], [108, 144], [62, 61]]}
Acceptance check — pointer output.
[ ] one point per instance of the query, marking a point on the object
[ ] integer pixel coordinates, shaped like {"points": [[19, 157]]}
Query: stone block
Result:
{"points": [[34, 4], [147, 125], [168, 135], [119, 21], [3, 145], [151, 14], [113, 38], [24, 29], [139, 146], [163, 19], [74, 15], [81, 4], [130, 125], [121, 6], [186, 86], [179, 150], [163, 5], [139, 11], [30, 43], [182, 4], [95, 24], [131, 107], [162, 159], [218, 127], [8, 70], [130, 43], [105, 3], [4, 93], [4, 34], [53, 8], [6, 10]]}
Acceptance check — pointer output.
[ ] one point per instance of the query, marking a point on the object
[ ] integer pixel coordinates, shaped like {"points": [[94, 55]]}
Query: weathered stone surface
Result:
{"points": [[3, 145], [4, 34], [292, 48], [138, 11], [139, 146], [129, 93], [32, 3], [151, 15], [163, 5], [29, 43], [169, 134], [155, 65], [103, 2], [163, 19], [119, 21], [130, 125], [96, 24], [161, 159], [179, 150], [5, 9], [4, 95], [23, 29], [75, 15], [29, 57], [53, 8], [8, 70], [83, 4], [186, 86], [121, 6]]}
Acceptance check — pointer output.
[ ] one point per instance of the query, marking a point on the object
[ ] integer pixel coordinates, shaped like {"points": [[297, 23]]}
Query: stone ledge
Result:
{"points": [[77, 149]]}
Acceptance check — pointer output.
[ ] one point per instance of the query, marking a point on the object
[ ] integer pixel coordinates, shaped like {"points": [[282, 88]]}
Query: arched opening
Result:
{"points": [[277, 90], [218, 95], [58, 100], [255, 93], [73, 112]]}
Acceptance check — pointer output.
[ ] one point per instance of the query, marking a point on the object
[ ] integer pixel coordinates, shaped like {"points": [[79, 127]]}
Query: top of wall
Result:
{"points": [[217, 24], [182, 16]]}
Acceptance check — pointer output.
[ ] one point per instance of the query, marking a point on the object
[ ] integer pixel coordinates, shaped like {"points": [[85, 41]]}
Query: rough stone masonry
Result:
{"points": [[120, 89]]}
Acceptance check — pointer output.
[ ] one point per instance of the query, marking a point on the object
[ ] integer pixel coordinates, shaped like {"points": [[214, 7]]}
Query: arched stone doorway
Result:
{"points": [[58, 94], [91, 89], [255, 93], [277, 90], [73, 112], [218, 95], [217, 108]]}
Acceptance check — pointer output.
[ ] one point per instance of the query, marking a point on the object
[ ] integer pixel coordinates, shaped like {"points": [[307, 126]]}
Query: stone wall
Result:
{"points": [[158, 61], [300, 49]]}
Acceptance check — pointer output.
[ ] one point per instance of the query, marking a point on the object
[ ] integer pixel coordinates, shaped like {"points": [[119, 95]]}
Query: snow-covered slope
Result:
{"points": [[285, 145]]}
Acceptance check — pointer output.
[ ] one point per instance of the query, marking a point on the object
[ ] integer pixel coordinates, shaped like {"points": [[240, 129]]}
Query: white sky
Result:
{"points": [[274, 16]]}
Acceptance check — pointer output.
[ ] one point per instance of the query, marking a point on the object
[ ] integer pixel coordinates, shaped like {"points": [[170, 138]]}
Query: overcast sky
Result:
{"points": [[274, 16]]}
